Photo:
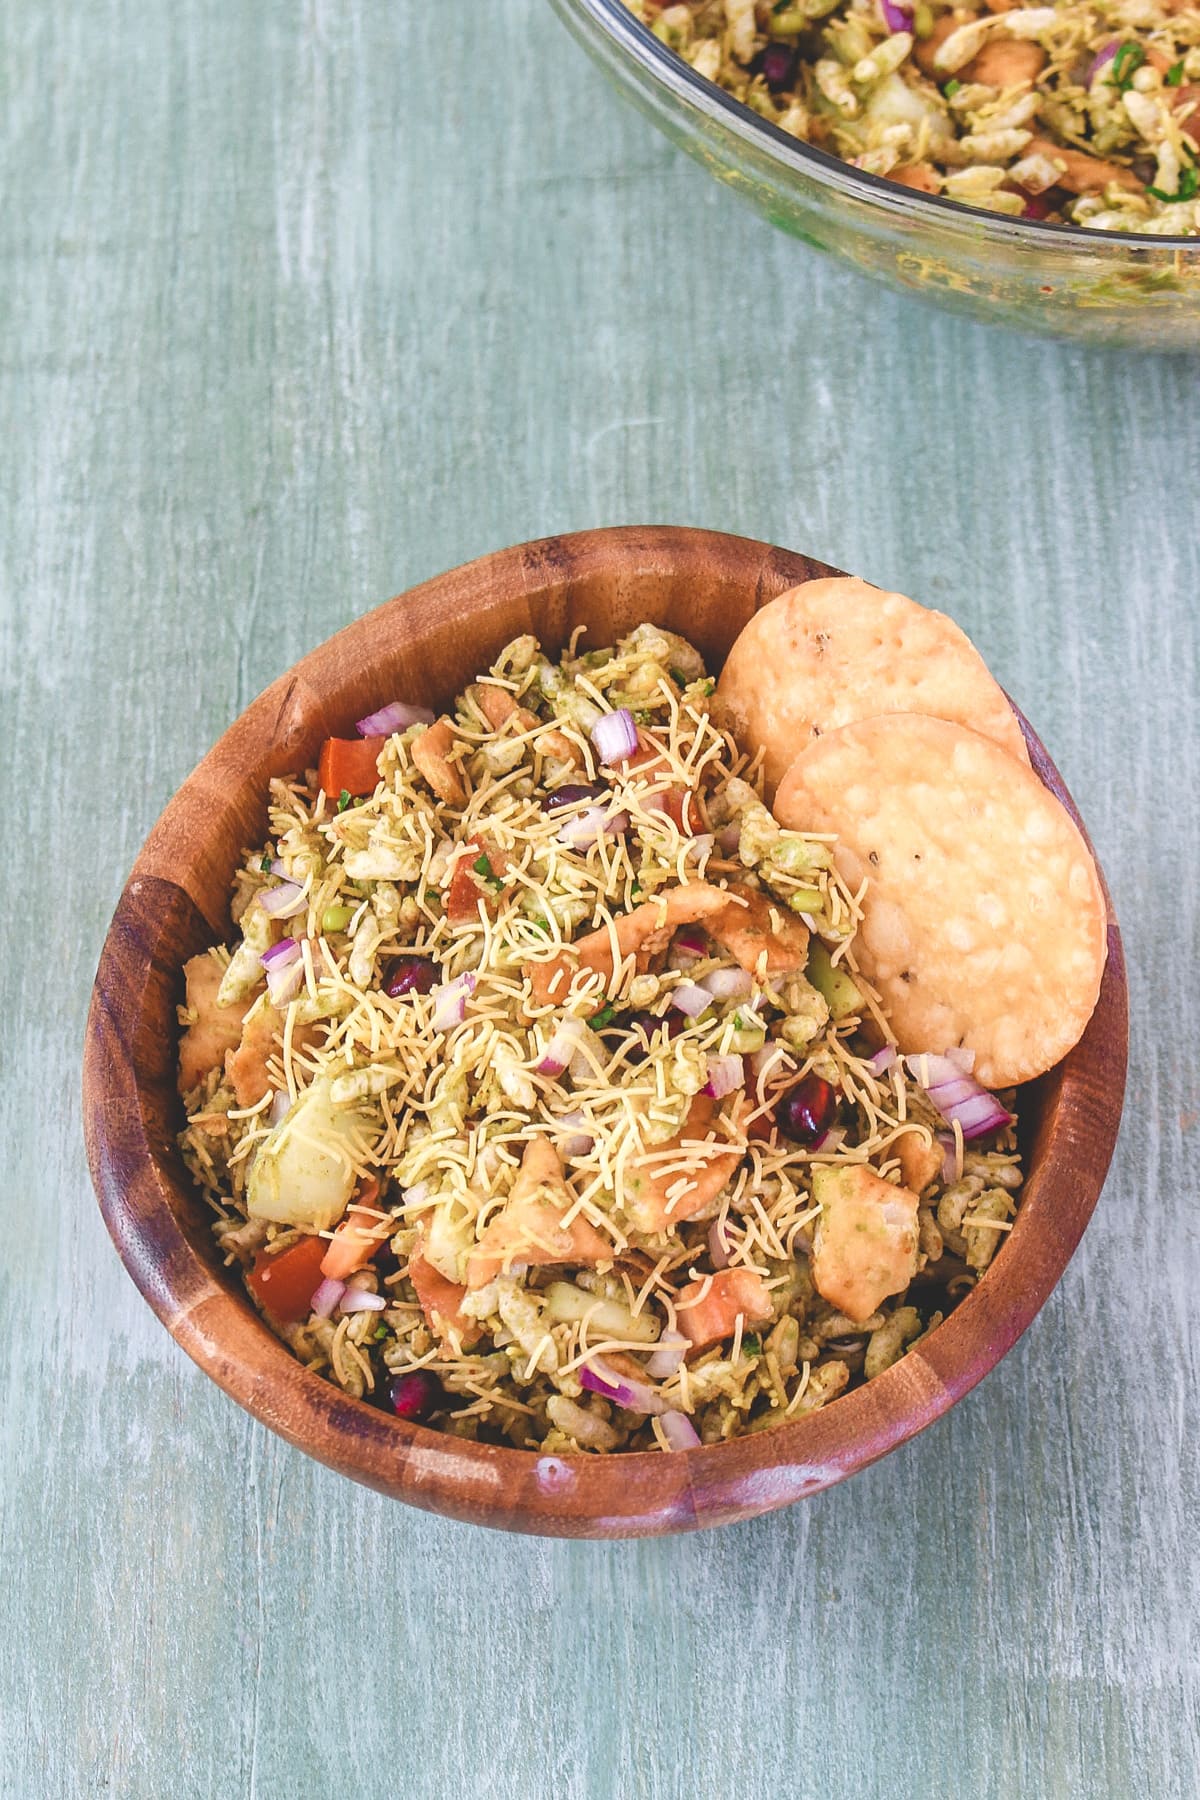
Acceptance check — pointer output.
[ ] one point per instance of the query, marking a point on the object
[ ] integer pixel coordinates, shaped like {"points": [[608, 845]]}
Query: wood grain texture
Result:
{"points": [[427, 644], [301, 304]]}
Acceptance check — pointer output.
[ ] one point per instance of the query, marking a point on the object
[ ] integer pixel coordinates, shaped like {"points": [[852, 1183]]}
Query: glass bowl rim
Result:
{"points": [[629, 34]]}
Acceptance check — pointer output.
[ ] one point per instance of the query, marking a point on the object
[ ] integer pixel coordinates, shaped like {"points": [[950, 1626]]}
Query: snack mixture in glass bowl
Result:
{"points": [[1086, 112], [546, 1094]]}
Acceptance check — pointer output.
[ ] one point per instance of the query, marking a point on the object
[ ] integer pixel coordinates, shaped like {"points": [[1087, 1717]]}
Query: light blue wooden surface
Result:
{"points": [[300, 303]]}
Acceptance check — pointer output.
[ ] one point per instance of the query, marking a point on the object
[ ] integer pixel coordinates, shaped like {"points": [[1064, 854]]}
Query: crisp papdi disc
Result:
{"points": [[984, 923], [830, 652]]}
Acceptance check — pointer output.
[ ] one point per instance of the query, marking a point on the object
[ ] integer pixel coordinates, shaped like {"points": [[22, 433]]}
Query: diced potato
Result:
{"points": [[302, 1172], [565, 1303], [865, 1245]]}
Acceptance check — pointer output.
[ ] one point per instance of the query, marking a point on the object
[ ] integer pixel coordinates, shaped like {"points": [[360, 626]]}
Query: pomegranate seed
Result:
{"points": [[806, 1111], [415, 1395], [412, 975]]}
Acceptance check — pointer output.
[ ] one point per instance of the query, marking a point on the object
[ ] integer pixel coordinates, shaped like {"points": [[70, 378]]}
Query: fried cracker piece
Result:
{"points": [[984, 920], [829, 652]]}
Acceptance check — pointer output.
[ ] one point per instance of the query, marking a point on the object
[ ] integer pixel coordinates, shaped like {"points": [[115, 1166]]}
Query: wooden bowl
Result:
{"points": [[427, 645]]}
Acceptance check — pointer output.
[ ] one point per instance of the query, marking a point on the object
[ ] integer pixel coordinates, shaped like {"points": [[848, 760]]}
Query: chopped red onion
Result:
{"points": [[761, 1064], [397, 716], [560, 1049], [450, 1002], [725, 1073], [949, 1151], [635, 1396], [896, 18], [690, 999], [719, 1248], [881, 1062], [615, 736], [327, 1297], [1099, 60], [679, 1431], [582, 829], [829, 1141], [356, 1300], [730, 837], [578, 1143], [417, 1194], [281, 954], [958, 1097], [279, 867], [281, 1106], [284, 964], [962, 1059], [284, 901], [698, 846], [667, 1355], [727, 984], [688, 944]]}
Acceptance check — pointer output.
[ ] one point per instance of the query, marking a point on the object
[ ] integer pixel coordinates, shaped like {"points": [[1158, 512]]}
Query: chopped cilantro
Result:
{"points": [[265, 865], [604, 1017], [483, 867], [751, 1345], [951, 88], [1174, 75], [1126, 63], [381, 1333], [1189, 186], [343, 800], [678, 676], [542, 925], [708, 685], [635, 890]]}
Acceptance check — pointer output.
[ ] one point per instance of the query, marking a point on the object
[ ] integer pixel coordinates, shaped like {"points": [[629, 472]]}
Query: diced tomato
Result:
{"points": [[358, 1236], [732, 1291], [350, 766], [284, 1284], [440, 1300], [468, 886]]}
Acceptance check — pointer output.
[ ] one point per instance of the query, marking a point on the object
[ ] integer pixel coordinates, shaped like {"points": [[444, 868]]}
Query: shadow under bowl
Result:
{"points": [[426, 645]]}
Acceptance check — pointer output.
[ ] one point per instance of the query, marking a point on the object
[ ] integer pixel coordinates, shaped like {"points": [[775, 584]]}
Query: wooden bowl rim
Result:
{"points": [[630, 1494]]}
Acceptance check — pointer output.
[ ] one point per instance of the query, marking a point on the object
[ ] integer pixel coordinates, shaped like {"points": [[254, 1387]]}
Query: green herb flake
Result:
{"points": [[951, 88], [381, 1334], [678, 676], [1174, 75], [541, 925], [708, 685], [751, 1345], [1126, 63], [265, 865], [604, 1017], [344, 799], [1189, 186], [483, 867]]}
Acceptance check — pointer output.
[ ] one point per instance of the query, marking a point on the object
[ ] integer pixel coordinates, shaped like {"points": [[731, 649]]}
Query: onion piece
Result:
{"points": [[881, 1062], [450, 1002], [417, 1194], [284, 901], [761, 1064], [829, 1141], [397, 716], [729, 837], [690, 999], [1098, 62], [560, 1049], [719, 1248], [687, 945], [356, 1300], [896, 18], [583, 829], [958, 1097], [281, 1106], [326, 1297], [667, 1355], [727, 984], [615, 736], [698, 846], [725, 1073], [577, 1142], [949, 1151], [679, 1431], [284, 964], [634, 1396]]}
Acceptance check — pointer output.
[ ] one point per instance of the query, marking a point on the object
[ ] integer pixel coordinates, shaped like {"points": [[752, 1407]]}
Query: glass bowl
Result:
{"points": [[1102, 287]]}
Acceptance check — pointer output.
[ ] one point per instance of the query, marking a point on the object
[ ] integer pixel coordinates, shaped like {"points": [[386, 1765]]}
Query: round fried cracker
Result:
{"points": [[984, 922], [830, 652]]}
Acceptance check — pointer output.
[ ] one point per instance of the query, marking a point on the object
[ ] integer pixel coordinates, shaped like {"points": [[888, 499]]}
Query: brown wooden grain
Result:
{"points": [[427, 644]]}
